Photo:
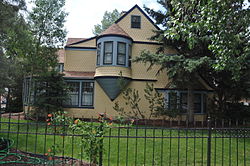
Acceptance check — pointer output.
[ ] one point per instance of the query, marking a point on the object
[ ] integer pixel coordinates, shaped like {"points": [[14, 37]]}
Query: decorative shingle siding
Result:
{"points": [[80, 61], [142, 34]]}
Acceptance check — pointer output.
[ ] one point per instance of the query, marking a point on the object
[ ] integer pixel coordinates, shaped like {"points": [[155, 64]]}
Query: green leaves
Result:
{"points": [[108, 19]]}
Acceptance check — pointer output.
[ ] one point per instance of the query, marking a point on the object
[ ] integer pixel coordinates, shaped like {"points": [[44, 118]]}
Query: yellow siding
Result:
{"points": [[142, 34], [90, 43], [77, 60], [113, 71], [102, 104], [139, 70]]}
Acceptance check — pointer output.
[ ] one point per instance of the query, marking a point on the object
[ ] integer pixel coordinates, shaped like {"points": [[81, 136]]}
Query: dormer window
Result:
{"points": [[135, 21], [108, 52], [121, 53]]}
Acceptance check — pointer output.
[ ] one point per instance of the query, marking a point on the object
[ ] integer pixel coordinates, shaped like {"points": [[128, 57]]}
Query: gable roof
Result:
{"points": [[73, 40], [136, 6], [78, 40], [115, 29]]}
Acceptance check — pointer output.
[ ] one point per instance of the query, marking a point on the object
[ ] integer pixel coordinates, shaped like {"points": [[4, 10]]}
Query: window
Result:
{"points": [[183, 102], [121, 53], [108, 52], [135, 21], [83, 90], [87, 93], [172, 101], [73, 94], [98, 54], [179, 100]]}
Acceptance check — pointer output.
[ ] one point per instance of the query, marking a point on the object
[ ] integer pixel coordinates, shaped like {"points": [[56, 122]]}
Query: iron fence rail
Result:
{"points": [[143, 143]]}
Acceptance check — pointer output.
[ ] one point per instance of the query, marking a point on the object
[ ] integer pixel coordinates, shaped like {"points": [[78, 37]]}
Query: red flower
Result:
{"points": [[50, 158], [50, 115], [48, 124], [46, 154]]}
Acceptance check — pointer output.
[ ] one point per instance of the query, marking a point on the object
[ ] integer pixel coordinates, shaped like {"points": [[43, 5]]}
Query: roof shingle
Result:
{"points": [[115, 29]]}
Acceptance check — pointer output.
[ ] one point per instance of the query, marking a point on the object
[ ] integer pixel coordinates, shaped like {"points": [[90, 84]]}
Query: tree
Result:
{"points": [[208, 36], [12, 26], [50, 93], [47, 26], [108, 19]]}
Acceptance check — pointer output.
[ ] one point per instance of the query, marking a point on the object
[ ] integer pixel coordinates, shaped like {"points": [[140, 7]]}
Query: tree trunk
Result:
{"points": [[190, 103]]}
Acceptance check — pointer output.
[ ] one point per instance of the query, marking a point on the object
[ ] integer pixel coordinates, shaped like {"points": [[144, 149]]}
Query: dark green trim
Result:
{"points": [[112, 77], [115, 35], [144, 80], [82, 107], [176, 89], [136, 6], [78, 78], [69, 47]]}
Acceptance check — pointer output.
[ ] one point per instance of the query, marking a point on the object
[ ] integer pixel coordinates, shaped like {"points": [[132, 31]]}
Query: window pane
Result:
{"points": [[108, 58], [108, 52], [73, 94], [172, 101], [121, 53], [197, 103], [108, 47], [87, 93], [183, 102], [121, 59], [98, 53], [122, 48], [136, 22]]}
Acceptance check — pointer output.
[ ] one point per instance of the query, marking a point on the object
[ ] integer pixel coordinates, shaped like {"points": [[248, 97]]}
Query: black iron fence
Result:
{"points": [[143, 142]]}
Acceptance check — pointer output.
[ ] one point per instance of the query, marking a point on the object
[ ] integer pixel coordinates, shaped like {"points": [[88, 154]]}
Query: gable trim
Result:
{"points": [[136, 6], [115, 35], [80, 48]]}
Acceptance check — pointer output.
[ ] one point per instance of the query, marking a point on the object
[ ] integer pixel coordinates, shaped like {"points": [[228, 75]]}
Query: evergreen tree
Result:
{"points": [[50, 93], [47, 26]]}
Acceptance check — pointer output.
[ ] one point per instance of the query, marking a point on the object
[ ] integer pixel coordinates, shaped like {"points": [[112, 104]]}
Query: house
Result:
{"points": [[93, 66]]}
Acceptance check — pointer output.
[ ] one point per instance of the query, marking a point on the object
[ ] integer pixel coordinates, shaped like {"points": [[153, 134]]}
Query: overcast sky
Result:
{"points": [[84, 14]]}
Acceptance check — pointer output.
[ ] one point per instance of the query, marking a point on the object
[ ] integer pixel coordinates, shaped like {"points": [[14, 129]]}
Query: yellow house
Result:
{"points": [[92, 68]]}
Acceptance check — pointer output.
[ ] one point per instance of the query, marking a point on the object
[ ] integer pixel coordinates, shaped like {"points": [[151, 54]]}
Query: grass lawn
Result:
{"points": [[137, 145]]}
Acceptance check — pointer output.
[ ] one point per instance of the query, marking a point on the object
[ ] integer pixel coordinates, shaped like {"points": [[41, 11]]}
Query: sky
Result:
{"points": [[84, 14]]}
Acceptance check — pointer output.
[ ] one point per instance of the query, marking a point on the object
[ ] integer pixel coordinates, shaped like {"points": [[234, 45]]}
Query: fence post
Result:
{"points": [[101, 146], [209, 141]]}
